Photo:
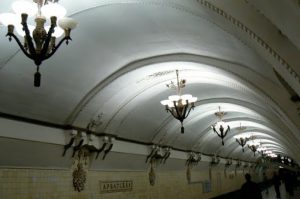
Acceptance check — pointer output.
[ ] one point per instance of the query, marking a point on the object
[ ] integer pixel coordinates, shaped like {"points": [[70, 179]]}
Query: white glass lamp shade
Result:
{"points": [[253, 143], [268, 152], [261, 149], [67, 23], [165, 102], [187, 97], [21, 32], [223, 124], [244, 136], [174, 98], [53, 9], [20, 7], [9, 19], [58, 32], [238, 137], [193, 99]]}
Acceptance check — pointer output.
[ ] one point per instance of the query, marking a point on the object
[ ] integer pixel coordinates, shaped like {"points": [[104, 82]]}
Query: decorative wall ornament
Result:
{"points": [[81, 140], [95, 122], [221, 128], [215, 160], [81, 163], [188, 174], [79, 178], [228, 163], [179, 105], [159, 154], [237, 166], [152, 174], [193, 159]]}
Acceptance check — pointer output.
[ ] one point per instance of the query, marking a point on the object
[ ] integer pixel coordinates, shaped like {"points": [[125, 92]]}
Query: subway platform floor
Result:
{"points": [[283, 193]]}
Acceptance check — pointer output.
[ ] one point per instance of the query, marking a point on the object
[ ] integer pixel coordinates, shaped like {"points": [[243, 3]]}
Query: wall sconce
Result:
{"points": [[193, 159], [215, 160], [159, 154]]}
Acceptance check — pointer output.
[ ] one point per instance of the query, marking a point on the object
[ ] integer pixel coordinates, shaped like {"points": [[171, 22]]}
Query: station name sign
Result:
{"points": [[115, 186]]}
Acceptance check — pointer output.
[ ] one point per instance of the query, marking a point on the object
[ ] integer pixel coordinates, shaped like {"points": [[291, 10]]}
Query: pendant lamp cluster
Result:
{"points": [[39, 41], [253, 145], [221, 128], [242, 139], [179, 105]]}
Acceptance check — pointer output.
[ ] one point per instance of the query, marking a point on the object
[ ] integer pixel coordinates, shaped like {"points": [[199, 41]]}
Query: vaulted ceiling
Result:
{"points": [[239, 55]]}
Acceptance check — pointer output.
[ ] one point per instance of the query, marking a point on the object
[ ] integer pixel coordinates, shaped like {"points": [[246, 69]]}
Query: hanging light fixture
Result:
{"points": [[39, 41], [253, 146], [179, 105], [221, 128], [262, 150], [242, 139]]}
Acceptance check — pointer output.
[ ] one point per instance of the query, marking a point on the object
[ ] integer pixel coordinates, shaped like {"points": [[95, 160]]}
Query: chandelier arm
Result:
{"points": [[174, 115], [228, 129], [47, 41], [189, 111], [216, 131], [20, 45], [184, 111], [177, 111], [56, 47], [29, 40], [237, 140]]}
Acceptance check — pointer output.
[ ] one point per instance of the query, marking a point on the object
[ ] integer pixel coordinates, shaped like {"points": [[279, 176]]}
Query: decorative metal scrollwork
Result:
{"points": [[81, 162]]}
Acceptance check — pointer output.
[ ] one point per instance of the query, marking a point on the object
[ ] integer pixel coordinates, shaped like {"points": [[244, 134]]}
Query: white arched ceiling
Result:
{"points": [[124, 53]]}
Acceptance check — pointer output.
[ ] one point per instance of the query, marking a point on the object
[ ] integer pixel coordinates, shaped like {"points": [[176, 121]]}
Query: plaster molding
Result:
{"points": [[254, 36]]}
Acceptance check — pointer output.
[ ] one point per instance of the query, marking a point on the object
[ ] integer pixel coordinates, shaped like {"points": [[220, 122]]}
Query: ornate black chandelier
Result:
{"points": [[253, 145], [179, 105], [242, 139], [221, 128], [39, 41]]}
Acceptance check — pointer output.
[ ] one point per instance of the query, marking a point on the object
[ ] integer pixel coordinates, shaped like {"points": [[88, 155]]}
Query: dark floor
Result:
{"points": [[283, 193]]}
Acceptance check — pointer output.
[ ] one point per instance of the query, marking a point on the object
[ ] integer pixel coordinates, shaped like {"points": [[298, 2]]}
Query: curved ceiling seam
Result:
{"points": [[250, 32], [9, 58]]}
